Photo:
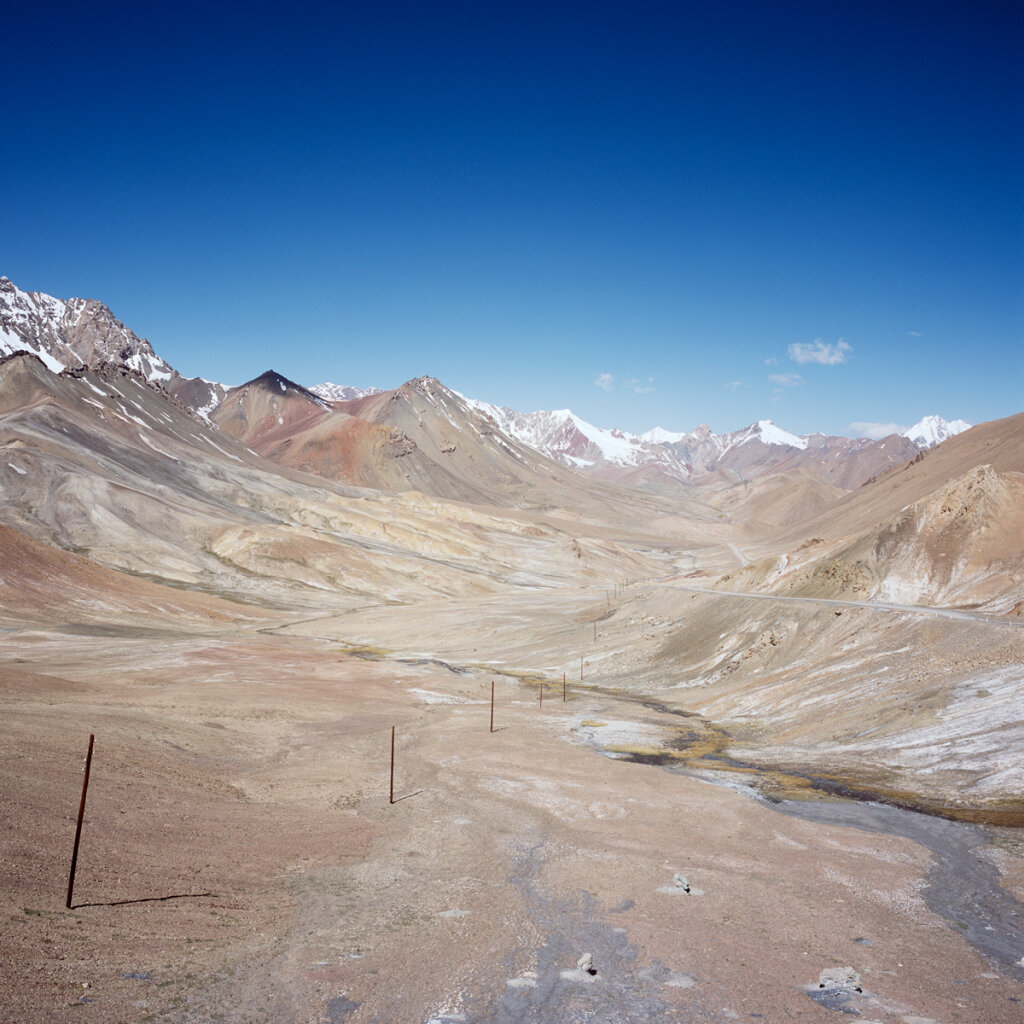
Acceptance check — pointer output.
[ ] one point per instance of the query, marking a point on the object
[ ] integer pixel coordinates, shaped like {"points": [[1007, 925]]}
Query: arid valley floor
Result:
{"points": [[241, 861]]}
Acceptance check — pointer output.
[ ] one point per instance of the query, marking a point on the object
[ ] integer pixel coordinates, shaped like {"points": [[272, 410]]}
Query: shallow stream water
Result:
{"points": [[962, 886]]}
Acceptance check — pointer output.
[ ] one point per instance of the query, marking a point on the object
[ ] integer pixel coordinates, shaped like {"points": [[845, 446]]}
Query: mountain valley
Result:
{"points": [[241, 591]]}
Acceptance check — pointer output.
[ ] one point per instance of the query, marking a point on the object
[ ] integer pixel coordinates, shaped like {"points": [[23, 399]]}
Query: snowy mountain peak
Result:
{"points": [[68, 333], [658, 435], [341, 392], [768, 433], [933, 430], [562, 435], [71, 333]]}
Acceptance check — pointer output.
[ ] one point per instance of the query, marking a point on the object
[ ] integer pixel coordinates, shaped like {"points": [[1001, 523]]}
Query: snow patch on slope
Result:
{"points": [[11, 343]]}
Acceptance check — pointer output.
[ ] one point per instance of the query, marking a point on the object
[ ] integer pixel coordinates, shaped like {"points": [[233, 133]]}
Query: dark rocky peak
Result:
{"points": [[276, 383]]}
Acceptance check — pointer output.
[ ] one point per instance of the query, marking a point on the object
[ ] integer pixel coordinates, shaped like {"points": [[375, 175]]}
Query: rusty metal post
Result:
{"points": [[81, 815], [492, 705], [391, 791]]}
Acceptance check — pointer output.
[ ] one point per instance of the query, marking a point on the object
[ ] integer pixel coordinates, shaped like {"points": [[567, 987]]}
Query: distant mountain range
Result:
{"points": [[84, 333], [341, 392], [275, 491], [699, 455], [564, 434]]}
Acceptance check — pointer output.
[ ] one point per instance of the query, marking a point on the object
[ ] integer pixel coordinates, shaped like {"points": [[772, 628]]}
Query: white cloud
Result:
{"points": [[642, 387], [786, 380], [605, 381], [913, 334], [734, 385], [771, 361], [819, 351], [876, 431]]}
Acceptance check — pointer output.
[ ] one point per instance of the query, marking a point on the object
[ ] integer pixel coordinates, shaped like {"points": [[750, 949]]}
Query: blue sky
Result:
{"points": [[652, 213]]}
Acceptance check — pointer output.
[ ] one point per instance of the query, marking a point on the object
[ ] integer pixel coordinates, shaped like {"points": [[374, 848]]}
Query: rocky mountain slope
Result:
{"points": [[72, 333], [424, 438], [108, 467], [944, 528]]}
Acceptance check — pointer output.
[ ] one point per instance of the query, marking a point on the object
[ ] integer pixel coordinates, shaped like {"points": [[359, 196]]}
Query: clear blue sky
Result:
{"points": [[653, 213]]}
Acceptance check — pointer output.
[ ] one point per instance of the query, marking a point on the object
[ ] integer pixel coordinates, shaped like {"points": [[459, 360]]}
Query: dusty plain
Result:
{"points": [[241, 861]]}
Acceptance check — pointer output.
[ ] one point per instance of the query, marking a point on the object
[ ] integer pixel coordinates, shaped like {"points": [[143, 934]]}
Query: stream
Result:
{"points": [[962, 887]]}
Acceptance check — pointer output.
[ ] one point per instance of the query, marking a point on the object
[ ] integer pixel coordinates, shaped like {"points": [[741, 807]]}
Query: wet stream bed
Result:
{"points": [[962, 887]]}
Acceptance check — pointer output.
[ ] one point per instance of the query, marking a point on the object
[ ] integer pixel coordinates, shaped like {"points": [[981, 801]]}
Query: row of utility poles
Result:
{"points": [[617, 588]]}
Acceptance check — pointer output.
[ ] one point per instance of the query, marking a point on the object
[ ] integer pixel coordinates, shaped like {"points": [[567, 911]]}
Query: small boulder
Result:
{"points": [[840, 977], [584, 971]]}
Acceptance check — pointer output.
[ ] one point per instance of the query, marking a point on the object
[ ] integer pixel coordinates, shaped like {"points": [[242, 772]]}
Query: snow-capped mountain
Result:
{"points": [[701, 456], [658, 435], [567, 438], [688, 457], [72, 333], [563, 436], [933, 430], [768, 433], [341, 392], [69, 333]]}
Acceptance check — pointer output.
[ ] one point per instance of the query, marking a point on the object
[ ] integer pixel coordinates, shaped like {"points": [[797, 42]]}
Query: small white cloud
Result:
{"points": [[642, 387], [605, 381], [734, 385], [777, 394], [876, 431], [819, 351], [786, 380], [913, 334], [771, 361]]}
